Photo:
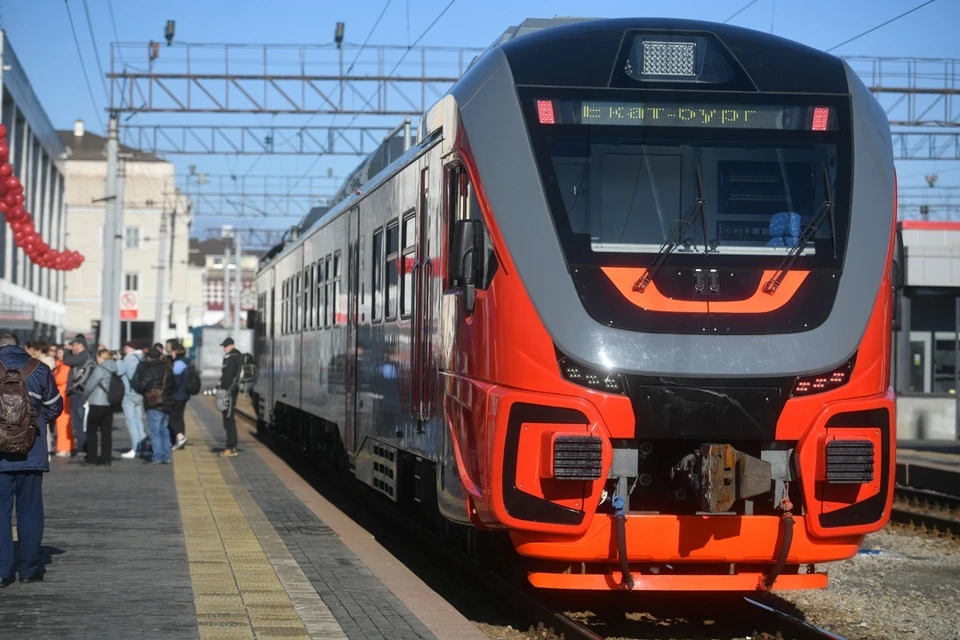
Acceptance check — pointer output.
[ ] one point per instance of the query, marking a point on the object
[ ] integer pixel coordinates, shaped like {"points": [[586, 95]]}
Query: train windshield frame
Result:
{"points": [[748, 189]]}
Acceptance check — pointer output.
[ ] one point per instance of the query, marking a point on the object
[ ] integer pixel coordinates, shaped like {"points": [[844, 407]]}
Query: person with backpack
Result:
{"points": [[155, 381], [29, 401], [104, 392], [132, 401], [180, 393], [227, 395], [81, 365]]}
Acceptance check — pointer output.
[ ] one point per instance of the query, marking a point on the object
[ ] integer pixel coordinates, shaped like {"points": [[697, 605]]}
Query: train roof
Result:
{"points": [[584, 53]]}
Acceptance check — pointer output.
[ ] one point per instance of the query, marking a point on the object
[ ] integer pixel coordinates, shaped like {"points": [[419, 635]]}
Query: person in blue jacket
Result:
{"points": [[21, 475]]}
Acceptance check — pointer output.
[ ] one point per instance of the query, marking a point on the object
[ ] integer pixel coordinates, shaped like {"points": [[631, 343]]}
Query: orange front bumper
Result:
{"points": [[613, 581], [668, 538]]}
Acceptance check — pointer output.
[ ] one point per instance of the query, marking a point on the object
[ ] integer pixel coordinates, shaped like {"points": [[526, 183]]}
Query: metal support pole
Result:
{"points": [[406, 135], [238, 283], [226, 287], [109, 302], [158, 328]]}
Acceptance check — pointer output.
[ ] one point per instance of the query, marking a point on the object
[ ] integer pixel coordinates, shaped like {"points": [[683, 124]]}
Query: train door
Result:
{"points": [[353, 289], [422, 274]]}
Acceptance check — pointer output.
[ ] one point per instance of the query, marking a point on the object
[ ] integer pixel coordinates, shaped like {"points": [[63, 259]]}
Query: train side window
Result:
{"points": [[377, 285], [298, 288], [406, 263], [283, 308], [336, 287], [306, 298], [321, 301], [393, 247], [327, 291]]}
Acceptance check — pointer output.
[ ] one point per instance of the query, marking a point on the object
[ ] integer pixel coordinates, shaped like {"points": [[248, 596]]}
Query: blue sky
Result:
{"points": [[40, 34]]}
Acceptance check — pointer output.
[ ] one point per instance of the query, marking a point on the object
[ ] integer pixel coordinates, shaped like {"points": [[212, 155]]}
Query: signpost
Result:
{"points": [[129, 309], [129, 303]]}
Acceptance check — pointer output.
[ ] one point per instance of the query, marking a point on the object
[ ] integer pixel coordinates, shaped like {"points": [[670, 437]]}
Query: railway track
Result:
{"points": [[927, 511], [559, 616]]}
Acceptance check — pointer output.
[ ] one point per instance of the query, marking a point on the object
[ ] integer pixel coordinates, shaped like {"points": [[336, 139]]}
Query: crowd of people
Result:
{"points": [[155, 394], [63, 398]]}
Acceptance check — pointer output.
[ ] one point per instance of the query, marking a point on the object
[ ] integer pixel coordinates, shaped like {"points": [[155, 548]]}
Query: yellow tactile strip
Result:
{"points": [[236, 589]]}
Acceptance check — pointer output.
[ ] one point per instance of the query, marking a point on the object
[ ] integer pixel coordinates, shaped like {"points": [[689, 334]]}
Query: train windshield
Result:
{"points": [[726, 183]]}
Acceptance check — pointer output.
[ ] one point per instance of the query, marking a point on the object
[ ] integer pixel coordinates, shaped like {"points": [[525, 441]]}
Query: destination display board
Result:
{"points": [[687, 114]]}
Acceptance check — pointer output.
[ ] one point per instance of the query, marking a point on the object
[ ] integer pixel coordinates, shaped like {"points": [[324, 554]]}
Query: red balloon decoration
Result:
{"points": [[21, 222]]}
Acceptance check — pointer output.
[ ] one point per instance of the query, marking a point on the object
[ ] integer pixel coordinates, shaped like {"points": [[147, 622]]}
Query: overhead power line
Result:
{"points": [[860, 35], [83, 67], [96, 51], [392, 71], [741, 10]]}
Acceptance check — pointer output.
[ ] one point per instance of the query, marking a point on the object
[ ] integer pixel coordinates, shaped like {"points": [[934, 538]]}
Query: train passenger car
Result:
{"points": [[629, 298]]}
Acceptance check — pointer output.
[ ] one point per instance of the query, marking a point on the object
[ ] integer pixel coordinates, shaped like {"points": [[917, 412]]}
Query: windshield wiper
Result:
{"points": [[671, 243], [825, 211]]}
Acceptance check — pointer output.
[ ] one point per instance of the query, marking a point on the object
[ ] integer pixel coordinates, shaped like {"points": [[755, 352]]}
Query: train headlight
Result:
{"points": [[675, 59], [592, 378]]}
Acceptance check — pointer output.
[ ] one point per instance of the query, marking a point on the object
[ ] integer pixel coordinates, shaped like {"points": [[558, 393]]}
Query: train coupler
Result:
{"points": [[719, 475]]}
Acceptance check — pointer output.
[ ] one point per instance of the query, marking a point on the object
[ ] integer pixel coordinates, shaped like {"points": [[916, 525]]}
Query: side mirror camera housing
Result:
{"points": [[467, 259]]}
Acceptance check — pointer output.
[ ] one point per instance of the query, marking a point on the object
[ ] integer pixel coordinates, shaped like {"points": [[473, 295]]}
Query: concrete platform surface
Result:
{"points": [[212, 548]]}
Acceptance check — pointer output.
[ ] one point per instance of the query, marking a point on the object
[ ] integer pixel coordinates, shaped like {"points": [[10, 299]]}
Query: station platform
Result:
{"points": [[212, 548]]}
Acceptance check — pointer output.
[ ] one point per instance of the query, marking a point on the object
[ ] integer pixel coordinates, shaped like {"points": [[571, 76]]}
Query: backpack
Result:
{"points": [[136, 382], [193, 380], [18, 418], [82, 373], [153, 398], [248, 373], [115, 390]]}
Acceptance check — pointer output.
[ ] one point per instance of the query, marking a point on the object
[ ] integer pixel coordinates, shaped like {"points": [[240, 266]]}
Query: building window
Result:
{"points": [[131, 281], [377, 285], [409, 257], [218, 262], [131, 238]]}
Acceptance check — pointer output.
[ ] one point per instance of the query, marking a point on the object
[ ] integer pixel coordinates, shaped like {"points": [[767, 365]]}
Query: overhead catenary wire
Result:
{"points": [[883, 24], [741, 10], [96, 50], [349, 69], [83, 66], [392, 71]]}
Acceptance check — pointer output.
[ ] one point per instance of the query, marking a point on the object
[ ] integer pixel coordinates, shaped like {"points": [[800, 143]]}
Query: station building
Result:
{"points": [[31, 298], [157, 221], [925, 353]]}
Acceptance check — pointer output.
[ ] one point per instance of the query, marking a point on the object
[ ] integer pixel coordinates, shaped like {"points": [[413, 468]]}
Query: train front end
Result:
{"points": [[672, 369]]}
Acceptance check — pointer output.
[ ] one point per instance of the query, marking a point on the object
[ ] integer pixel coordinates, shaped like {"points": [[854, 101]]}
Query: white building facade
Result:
{"points": [[156, 228], [31, 297]]}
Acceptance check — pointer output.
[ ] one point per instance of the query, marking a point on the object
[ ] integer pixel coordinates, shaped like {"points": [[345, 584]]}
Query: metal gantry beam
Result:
{"points": [[256, 195], [254, 140], [921, 145], [253, 238], [282, 79], [913, 91]]}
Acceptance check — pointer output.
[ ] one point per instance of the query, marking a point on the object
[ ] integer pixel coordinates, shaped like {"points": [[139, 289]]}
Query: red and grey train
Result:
{"points": [[628, 297]]}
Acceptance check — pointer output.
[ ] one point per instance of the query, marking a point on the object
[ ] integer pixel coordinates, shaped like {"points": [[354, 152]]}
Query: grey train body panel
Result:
{"points": [[493, 121]]}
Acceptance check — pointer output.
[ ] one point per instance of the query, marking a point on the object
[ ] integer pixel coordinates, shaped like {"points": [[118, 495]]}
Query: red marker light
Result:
{"points": [[821, 116], [545, 111]]}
